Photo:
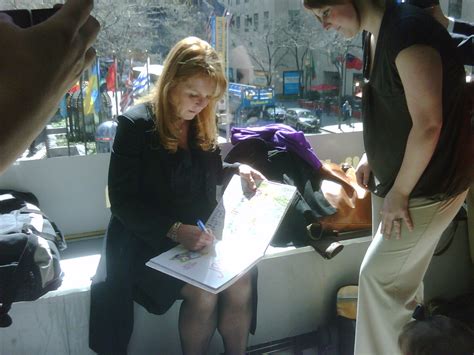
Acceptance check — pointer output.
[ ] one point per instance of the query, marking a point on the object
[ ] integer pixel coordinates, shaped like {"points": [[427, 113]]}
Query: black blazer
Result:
{"points": [[142, 213]]}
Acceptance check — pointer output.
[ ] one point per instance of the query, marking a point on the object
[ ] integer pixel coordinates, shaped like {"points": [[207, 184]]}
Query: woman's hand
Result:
{"points": [[394, 213], [192, 238], [250, 175], [363, 172]]}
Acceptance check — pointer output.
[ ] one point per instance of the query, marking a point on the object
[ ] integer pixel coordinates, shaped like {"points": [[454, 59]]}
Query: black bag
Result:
{"points": [[29, 251]]}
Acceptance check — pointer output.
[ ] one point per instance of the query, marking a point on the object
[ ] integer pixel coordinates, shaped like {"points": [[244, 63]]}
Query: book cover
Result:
{"points": [[243, 223]]}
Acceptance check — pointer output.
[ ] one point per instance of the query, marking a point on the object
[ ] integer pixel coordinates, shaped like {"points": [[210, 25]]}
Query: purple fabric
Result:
{"points": [[281, 137]]}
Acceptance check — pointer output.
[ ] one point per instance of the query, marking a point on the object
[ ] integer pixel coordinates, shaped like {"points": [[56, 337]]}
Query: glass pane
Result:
{"points": [[277, 58]]}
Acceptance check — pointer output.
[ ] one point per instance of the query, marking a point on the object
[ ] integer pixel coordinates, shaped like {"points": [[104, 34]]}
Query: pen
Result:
{"points": [[201, 226]]}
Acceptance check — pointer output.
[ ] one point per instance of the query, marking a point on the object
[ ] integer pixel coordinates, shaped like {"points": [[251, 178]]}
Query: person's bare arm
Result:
{"points": [[37, 66], [420, 70]]}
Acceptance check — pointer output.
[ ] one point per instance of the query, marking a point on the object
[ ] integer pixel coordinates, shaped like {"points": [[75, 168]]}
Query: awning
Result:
{"points": [[323, 87]]}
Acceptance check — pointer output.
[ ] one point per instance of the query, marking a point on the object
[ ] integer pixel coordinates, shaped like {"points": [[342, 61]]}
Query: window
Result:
{"points": [[266, 20], [455, 8], [294, 18], [285, 51], [248, 23]]}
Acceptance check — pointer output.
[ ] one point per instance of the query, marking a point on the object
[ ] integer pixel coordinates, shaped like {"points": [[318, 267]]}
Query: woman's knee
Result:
{"points": [[201, 300], [240, 292]]}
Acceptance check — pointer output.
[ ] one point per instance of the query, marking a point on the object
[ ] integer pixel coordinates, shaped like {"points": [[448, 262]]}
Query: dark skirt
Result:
{"points": [[157, 291]]}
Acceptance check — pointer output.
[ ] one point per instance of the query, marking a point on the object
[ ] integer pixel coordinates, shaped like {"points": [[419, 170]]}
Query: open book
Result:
{"points": [[243, 223]]}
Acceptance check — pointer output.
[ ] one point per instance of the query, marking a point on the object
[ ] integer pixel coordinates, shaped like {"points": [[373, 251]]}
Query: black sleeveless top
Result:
{"points": [[387, 121]]}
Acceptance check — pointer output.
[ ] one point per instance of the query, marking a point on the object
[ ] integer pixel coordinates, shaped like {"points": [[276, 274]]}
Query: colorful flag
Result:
{"points": [[63, 107], [352, 62], [92, 100], [313, 68], [74, 88], [141, 83], [127, 100], [111, 75], [127, 95]]}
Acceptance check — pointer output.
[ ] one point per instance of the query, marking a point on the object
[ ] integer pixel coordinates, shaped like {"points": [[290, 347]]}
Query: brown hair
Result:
{"points": [[436, 335], [317, 4], [189, 57]]}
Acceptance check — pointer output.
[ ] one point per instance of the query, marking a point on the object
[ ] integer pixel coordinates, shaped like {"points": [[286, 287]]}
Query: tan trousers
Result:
{"points": [[391, 274]]}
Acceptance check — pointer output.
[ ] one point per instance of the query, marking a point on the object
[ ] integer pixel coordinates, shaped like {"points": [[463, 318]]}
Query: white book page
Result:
{"points": [[243, 225]]}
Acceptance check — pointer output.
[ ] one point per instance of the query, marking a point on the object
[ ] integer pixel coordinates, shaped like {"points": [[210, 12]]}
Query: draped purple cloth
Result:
{"points": [[281, 137]]}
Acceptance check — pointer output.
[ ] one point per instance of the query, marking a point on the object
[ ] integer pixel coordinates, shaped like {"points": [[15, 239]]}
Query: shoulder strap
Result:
{"points": [[25, 263]]}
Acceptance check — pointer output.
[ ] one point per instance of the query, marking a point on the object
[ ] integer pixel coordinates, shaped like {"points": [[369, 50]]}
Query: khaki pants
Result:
{"points": [[391, 274]]}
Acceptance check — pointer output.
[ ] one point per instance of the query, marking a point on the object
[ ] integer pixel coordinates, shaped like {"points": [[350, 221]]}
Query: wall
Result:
{"points": [[71, 190]]}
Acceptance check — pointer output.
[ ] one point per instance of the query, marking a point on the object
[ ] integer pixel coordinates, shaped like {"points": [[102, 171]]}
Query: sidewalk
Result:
{"points": [[357, 126]]}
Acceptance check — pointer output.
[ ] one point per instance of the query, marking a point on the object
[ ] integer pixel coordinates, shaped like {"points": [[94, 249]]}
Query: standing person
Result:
{"points": [[463, 35], [347, 109], [164, 168], [319, 114], [418, 149], [37, 66]]}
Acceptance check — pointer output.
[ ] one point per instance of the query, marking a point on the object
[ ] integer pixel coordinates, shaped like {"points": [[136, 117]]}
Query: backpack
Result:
{"points": [[29, 251]]}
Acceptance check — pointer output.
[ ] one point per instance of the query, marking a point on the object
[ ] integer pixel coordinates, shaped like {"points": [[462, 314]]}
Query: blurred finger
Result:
{"points": [[76, 11], [408, 221], [251, 182], [90, 31], [387, 229], [396, 228], [366, 179], [89, 58], [258, 175]]}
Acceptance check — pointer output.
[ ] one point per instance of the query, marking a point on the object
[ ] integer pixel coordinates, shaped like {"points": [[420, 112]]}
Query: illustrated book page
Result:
{"points": [[243, 223]]}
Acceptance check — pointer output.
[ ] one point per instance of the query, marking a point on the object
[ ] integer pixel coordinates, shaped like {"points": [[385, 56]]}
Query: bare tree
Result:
{"points": [[140, 28], [300, 36], [265, 49]]}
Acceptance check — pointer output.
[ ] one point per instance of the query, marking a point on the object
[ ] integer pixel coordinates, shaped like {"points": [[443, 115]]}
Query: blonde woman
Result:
{"points": [[163, 173], [418, 149]]}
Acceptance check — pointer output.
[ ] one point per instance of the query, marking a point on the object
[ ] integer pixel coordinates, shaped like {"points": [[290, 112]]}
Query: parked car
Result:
{"points": [[302, 120], [276, 114]]}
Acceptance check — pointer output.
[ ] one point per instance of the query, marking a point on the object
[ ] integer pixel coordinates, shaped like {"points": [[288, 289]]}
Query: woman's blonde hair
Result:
{"points": [[189, 57]]}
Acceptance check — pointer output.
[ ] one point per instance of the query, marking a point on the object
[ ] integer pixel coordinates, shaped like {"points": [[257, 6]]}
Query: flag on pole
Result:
{"points": [[63, 107], [352, 62], [111, 75], [127, 100], [313, 68], [127, 95], [91, 101], [141, 83], [211, 30], [148, 73], [74, 88]]}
